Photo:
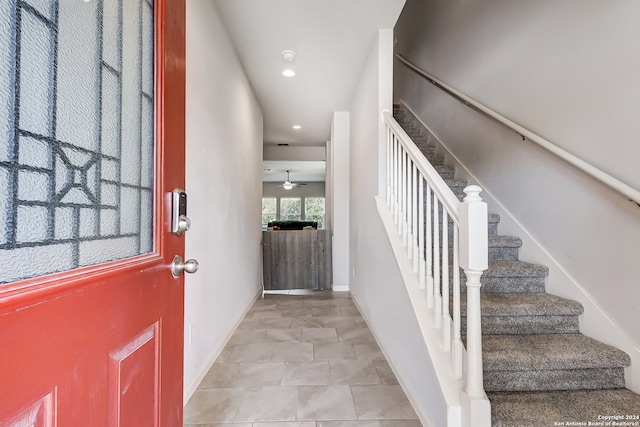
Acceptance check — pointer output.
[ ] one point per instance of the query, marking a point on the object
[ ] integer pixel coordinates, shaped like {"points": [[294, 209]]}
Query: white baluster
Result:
{"points": [[457, 337], [389, 169], [403, 230], [414, 224], [436, 262], [446, 317], [410, 204], [429, 245], [421, 207], [396, 181]]}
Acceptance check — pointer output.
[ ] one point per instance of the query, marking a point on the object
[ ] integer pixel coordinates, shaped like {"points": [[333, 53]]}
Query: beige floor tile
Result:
{"points": [[221, 425], [260, 352], [385, 373], [285, 368], [307, 322], [266, 314], [325, 403], [297, 312], [401, 423], [333, 351], [349, 311], [349, 424], [360, 322], [267, 323], [326, 312], [220, 375], [352, 372], [267, 404], [224, 354], [258, 374], [355, 335], [319, 335], [261, 306], [302, 351], [282, 335], [212, 405], [377, 402], [316, 303], [247, 336], [368, 351], [340, 322], [285, 424], [306, 373], [289, 304]]}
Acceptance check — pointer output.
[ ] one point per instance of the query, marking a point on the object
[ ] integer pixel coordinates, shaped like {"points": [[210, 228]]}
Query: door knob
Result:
{"points": [[179, 265]]}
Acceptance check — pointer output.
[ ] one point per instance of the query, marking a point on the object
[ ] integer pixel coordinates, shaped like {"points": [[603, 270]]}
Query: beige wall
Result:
{"points": [[567, 71], [376, 283], [224, 183]]}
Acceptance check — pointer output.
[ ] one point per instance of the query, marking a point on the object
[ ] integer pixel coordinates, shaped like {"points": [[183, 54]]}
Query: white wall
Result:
{"points": [[224, 144], [567, 71], [376, 282], [340, 193]]}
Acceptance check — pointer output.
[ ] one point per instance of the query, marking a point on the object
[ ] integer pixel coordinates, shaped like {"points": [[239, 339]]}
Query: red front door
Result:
{"points": [[103, 345]]}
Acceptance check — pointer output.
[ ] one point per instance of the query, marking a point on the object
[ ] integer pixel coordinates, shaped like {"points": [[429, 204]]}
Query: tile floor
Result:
{"points": [[301, 360]]}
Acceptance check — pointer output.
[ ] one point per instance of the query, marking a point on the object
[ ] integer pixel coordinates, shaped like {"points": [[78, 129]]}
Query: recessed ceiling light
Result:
{"points": [[296, 127], [288, 73]]}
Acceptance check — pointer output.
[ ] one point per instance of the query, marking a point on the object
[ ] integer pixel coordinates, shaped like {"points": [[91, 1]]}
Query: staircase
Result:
{"points": [[539, 370]]}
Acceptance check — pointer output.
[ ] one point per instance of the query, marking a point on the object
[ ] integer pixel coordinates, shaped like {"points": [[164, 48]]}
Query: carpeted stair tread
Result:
{"points": [[536, 409], [499, 268], [548, 352], [525, 313], [446, 172], [525, 304]]}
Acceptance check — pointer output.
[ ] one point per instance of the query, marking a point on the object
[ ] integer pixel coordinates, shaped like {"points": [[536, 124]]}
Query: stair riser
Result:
{"points": [[511, 325], [511, 284], [503, 254], [547, 380], [495, 254]]}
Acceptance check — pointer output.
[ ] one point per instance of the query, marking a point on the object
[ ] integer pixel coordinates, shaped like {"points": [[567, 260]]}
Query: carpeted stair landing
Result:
{"points": [[538, 369]]}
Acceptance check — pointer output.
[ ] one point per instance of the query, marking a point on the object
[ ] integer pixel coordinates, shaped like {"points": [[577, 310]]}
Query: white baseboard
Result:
{"points": [[340, 288]]}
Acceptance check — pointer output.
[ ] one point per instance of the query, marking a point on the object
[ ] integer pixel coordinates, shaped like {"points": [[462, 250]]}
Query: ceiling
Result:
{"points": [[332, 40], [299, 171]]}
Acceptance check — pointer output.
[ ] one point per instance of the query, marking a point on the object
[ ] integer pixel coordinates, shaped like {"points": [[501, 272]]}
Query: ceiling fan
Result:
{"points": [[288, 184]]}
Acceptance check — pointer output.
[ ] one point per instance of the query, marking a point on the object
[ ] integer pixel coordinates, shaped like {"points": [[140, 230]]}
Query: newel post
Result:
{"points": [[476, 410]]}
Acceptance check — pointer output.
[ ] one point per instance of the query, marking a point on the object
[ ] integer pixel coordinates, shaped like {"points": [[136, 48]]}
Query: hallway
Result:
{"points": [[302, 360]]}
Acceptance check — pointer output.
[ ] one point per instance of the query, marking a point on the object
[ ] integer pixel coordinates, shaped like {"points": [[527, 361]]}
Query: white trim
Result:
{"points": [[340, 288]]}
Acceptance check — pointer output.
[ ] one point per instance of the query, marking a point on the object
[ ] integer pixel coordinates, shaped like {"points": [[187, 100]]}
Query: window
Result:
{"points": [[314, 210], [76, 134], [269, 209], [290, 208]]}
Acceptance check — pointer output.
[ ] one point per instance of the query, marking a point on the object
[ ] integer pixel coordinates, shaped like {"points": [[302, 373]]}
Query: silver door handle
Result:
{"points": [[179, 265]]}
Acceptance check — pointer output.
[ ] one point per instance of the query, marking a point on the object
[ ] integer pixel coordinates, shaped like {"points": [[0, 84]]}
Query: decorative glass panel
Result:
{"points": [[76, 134]]}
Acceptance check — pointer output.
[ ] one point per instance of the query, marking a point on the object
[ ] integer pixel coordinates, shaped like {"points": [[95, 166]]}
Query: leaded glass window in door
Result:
{"points": [[76, 134]]}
